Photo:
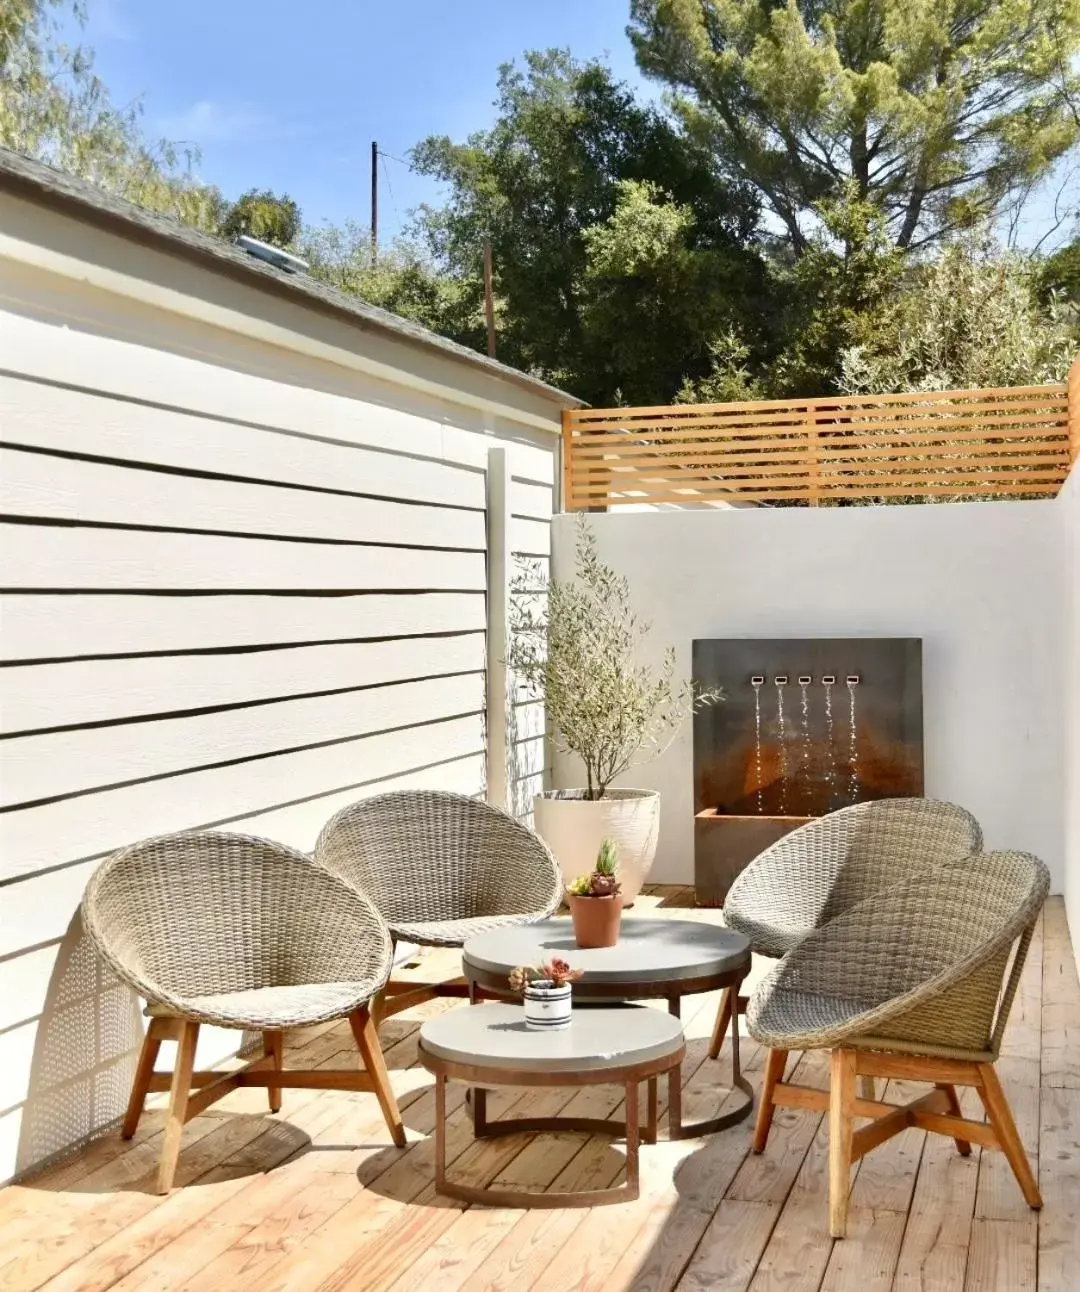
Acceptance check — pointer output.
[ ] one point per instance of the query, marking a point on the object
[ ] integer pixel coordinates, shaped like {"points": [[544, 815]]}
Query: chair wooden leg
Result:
{"points": [[841, 1128], [774, 1072], [140, 1086], [178, 1101], [868, 1089], [1001, 1119], [723, 1018], [274, 1048], [367, 1042], [962, 1145]]}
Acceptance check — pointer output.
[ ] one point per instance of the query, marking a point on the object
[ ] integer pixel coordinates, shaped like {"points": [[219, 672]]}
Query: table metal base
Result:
{"points": [[628, 1129], [677, 1128]]}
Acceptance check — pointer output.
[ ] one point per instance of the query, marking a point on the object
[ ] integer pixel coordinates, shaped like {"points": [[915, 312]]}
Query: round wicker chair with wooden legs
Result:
{"points": [[906, 985], [440, 867], [243, 933], [825, 866]]}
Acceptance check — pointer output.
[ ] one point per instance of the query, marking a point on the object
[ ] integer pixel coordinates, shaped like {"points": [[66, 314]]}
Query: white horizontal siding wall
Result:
{"points": [[240, 589]]}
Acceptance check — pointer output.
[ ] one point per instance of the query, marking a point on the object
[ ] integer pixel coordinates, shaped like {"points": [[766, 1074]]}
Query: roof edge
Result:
{"points": [[37, 182]]}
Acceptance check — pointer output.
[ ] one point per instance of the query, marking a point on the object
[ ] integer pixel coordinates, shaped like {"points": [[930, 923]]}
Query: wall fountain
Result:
{"points": [[808, 726]]}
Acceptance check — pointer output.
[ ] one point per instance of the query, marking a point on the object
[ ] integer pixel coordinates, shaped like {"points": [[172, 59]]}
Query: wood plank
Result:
{"points": [[674, 490], [832, 468], [44, 486], [377, 1232], [237, 1166], [1002, 1255], [730, 1248], [66, 762], [525, 1252], [472, 1238], [790, 437], [585, 416], [76, 421], [797, 1253], [769, 1176], [709, 482], [1061, 1002], [87, 826], [60, 627], [106, 1215], [198, 1224], [103, 690], [934, 1250], [48, 557], [1059, 1181], [865, 1260]]}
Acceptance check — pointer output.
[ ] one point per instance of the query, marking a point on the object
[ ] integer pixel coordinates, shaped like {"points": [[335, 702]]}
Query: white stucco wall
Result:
{"points": [[982, 584]]}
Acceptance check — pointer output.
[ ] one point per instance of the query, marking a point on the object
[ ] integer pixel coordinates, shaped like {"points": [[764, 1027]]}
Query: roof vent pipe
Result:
{"points": [[272, 255]]}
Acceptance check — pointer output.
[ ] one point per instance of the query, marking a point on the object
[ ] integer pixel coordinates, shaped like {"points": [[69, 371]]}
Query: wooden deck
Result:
{"points": [[316, 1198]]}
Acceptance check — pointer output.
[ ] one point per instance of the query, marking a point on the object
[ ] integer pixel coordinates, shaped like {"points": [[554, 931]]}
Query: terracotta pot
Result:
{"points": [[596, 920], [574, 827]]}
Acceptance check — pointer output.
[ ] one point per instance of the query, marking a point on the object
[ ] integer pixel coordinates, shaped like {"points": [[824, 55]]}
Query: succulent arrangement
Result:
{"points": [[555, 971], [603, 879]]}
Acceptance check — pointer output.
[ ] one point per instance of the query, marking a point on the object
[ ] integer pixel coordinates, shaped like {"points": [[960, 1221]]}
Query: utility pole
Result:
{"points": [[489, 300], [374, 202]]}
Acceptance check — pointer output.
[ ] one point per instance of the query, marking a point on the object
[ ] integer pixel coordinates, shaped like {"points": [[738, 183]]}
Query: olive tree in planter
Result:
{"points": [[579, 653]]}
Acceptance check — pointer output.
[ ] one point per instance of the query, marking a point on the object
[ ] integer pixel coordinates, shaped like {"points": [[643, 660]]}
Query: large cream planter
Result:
{"points": [[574, 827]]}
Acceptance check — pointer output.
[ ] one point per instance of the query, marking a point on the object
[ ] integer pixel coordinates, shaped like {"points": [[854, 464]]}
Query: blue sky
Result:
{"points": [[279, 97], [282, 96]]}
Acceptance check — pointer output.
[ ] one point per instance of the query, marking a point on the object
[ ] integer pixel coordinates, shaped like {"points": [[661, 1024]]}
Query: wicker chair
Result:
{"points": [[243, 933], [906, 985], [440, 867], [825, 866]]}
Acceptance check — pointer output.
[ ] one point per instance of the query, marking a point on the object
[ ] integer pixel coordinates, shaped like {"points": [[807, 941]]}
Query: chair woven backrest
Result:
{"points": [[927, 957], [430, 855], [194, 914], [822, 868]]}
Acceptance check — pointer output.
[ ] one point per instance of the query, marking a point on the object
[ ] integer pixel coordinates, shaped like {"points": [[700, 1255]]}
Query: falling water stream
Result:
{"points": [[804, 682], [781, 723], [853, 744], [830, 748]]}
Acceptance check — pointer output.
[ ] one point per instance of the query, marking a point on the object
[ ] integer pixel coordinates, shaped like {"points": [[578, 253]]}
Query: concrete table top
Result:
{"points": [[654, 951], [495, 1036]]}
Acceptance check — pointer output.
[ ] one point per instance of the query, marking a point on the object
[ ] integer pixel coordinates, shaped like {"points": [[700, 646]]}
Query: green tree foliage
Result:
{"points": [[54, 108], [261, 214], [650, 298], [554, 166], [835, 291], [1059, 275], [402, 279], [969, 318], [938, 111]]}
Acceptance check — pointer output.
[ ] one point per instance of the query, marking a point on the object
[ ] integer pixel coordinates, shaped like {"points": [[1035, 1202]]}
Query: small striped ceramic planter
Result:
{"points": [[547, 1007]]}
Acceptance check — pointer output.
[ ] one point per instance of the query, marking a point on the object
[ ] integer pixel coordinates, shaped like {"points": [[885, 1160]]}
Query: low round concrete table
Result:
{"points": [[622, 1045], [665, 959]]}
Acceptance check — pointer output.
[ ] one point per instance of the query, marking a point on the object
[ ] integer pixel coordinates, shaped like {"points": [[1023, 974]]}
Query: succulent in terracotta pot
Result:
{"points": [[596, 902]]}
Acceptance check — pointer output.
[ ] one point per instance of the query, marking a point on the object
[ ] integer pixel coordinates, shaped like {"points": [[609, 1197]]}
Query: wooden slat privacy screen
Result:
{"points": [[1017, 441]]}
